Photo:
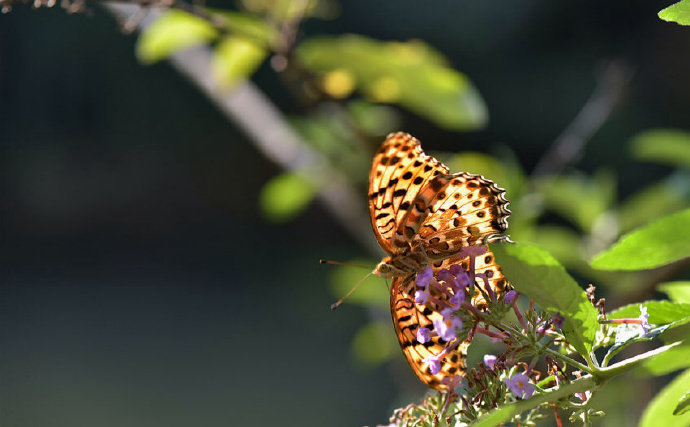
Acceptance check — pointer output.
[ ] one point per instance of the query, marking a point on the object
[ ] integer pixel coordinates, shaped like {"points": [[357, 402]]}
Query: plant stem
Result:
{"points": [[569, 361]]}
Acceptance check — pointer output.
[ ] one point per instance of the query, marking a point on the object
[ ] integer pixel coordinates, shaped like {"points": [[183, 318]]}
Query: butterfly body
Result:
{"points": [[424, 216]]}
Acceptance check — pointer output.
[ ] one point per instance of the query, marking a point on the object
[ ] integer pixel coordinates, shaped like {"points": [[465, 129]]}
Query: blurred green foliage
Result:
{"points": [[667, 146], [173, 31], [411, 74], [659, 243], [285, 196], [236, 58], [679, 12], [660, 410]]}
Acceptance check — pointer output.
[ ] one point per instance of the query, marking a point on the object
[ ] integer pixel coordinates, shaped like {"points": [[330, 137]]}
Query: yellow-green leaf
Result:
{"points": [[235, 59], [173, 31], [659, 243], [659, 412], [285, 196], [679, 12], [669, 146]]}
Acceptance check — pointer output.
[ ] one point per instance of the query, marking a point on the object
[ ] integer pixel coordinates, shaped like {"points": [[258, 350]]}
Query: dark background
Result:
{"points": [[140, 285]]}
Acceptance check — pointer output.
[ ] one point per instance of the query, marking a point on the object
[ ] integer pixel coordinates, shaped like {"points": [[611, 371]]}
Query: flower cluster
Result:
{"points": [[448, 290]]}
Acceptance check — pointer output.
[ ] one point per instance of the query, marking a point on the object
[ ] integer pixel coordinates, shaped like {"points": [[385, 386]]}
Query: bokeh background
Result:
{"points": [[143, 286]]}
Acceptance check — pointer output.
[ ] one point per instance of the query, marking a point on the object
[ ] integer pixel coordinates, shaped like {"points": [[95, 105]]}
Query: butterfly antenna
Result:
{"points": [[325, 261], [340, 301]]}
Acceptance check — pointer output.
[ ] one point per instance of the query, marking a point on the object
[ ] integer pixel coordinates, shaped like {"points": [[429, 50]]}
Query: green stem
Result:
{"points": [[626, 365], [506, 412], [570, 361]]}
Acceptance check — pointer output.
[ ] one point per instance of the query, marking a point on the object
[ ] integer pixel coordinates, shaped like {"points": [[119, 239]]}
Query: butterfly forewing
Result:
{"points": [[399, 171]]}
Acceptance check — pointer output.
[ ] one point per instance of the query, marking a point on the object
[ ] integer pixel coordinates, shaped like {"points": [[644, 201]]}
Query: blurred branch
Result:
{"points": [[568, 147], [267, 128]]}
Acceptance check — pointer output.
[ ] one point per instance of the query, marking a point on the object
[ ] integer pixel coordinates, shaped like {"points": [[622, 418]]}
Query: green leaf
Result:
{"points": [[247, 26], [285, 196], [578, 198], [411, 74], [374, 344], [660, 312], [659, 199], [372, 290], [173, 31], [538, 275], [676, 291], [674, 359], [683, 404], [679, 12], [235, 59], [659, 243], [659, 412], [668, 146]]}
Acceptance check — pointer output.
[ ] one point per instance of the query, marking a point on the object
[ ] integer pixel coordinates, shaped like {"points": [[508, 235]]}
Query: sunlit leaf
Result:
{"points": [[374, 343], [660, 312], [247, 26], [538, 275], [676, 291], [285, 196], [683, 403], [673, 360], [411, 74], [659, 243], [235, 59], [579, 198], [655, 201], [669, 146], [659, 412], [679, 12], [372, 291], [173, 31]]}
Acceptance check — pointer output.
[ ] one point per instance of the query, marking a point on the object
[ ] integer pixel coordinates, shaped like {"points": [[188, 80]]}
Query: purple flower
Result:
{"points": [[490, 361], [434, 364], [422, 296], [453, 382], [423, 335], [474, 251], [446, 276], [447, 327], [456, 270], [520, 386], [457, 299], [558, 320], [510, 297], [424, 277], [644, 319]]}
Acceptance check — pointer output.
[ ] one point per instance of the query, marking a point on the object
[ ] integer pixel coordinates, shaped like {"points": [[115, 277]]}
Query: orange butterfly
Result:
{"points": [[423, 216]]}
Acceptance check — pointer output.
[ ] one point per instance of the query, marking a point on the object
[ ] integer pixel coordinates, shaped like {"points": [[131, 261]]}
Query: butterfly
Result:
{"points": [[424, 216]]}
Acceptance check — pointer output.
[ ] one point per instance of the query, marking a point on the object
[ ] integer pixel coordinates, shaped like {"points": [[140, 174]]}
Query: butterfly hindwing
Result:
{"points": [[408, 317]]}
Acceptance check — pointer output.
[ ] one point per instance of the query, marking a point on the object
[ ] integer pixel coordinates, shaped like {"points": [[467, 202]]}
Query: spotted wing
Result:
{"points": [[409, 316], [464, 210], [399, 171]]}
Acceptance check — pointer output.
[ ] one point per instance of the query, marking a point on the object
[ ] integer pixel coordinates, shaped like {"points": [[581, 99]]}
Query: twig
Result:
{"points": [[267, 128], [568, 147]]}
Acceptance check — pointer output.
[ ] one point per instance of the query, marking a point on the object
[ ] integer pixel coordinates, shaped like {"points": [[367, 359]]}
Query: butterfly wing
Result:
{"points": [[464, 210], [399, 171], [408, 317]]}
